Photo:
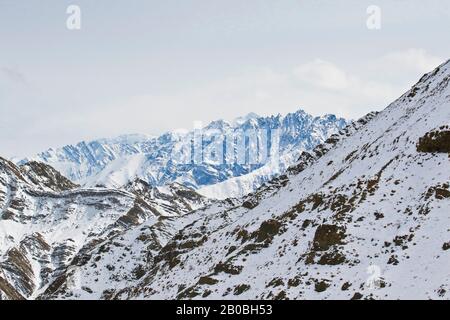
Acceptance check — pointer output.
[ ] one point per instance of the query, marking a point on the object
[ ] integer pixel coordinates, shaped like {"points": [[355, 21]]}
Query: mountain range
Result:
{"points": [[360, 214], [115, 162]]}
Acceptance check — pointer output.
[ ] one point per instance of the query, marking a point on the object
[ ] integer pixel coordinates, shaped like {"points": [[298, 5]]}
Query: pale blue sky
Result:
{"points": [[149, 66]]}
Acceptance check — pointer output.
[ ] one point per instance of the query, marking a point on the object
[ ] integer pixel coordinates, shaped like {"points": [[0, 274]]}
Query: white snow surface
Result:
{"points": [[115, 162], [365, 215]]}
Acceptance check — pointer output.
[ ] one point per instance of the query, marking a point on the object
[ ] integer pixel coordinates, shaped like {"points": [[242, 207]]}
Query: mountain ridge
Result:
{"points": [[115, 162], [363, 215], [47, 223], [367, 219]]}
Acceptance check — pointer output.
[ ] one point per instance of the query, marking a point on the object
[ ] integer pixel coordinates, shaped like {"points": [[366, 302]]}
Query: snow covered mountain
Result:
{"points": [[116, 162], [364, 215], [47, 223]]}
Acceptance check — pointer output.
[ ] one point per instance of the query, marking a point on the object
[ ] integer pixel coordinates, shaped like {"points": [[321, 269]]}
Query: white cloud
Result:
{"points": [[329, 87], [413, 59], [323, 74], [318, 86]]}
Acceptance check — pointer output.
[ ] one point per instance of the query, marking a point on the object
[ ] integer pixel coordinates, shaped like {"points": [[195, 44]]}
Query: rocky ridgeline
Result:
{"points": [[364, 215], [49, 225]]}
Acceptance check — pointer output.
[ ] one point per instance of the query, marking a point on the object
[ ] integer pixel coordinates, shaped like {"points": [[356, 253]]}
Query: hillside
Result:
{"points": [[48, 224], [363, 215], [367, 218]]}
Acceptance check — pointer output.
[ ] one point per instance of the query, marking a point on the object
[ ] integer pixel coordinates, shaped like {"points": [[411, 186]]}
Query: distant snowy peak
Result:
{"points": [[374, 199], [134, 138], [364, 214], [241, 120], [293, 162], [115, 162]]}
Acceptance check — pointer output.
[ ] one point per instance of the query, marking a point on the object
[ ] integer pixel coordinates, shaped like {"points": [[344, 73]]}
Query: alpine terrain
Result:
{"points": [[359, 214], [116, 162]]}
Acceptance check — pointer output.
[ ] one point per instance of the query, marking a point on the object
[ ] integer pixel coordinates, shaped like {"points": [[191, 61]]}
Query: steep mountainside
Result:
{"points": [[366, 218], [47, 224], [364, 215], [116, 162]]}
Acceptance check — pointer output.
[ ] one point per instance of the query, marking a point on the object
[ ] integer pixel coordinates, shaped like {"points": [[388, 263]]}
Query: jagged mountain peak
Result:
{"points": [[374, 198], [115, 162], [9, 166], [48, 225], [239, 121], [46, 177], [218, 124]]}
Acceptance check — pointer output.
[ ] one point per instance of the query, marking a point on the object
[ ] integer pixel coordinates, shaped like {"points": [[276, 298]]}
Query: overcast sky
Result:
{"points": [[143, 66]]}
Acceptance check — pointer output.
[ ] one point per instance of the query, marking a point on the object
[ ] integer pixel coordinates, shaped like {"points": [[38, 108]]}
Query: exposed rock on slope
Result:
{"points": [[48, 226], [437, 140], [367, 218], [363, 215], [44, 176]]}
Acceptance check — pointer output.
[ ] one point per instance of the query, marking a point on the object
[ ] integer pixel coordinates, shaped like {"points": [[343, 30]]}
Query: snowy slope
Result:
{"points": [[116, 162], [367, 218], [363, 215], [47, 223]]}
